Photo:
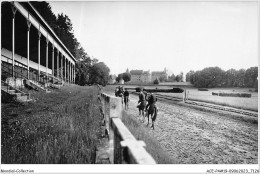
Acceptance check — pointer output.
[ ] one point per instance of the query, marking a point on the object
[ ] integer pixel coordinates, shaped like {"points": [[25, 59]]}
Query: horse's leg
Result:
{"points": [[148, 118], [143, 116], [152, 118]]}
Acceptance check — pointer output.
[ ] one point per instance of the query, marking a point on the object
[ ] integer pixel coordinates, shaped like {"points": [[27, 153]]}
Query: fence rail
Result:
{"points": [[124, 148]]}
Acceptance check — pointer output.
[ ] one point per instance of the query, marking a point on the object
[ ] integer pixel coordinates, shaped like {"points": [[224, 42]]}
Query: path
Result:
{"points": [[191, 136]]}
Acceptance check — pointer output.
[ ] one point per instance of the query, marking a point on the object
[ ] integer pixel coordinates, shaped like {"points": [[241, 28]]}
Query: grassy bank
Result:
{"points": [[59, 127], [153, 146]]}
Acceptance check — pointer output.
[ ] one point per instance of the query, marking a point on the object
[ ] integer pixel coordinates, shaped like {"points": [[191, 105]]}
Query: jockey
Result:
{"points": [[126, 94], [151, 100], [141, 98]]}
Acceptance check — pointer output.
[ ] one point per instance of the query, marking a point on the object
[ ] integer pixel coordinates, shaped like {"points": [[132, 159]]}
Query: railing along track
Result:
{"points": [[206, 105]]}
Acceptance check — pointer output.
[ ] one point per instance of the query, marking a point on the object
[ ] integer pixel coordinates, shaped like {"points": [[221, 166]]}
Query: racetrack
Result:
{"points": [[192, 136]]}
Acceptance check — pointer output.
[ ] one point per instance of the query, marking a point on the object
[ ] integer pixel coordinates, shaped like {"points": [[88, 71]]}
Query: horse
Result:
{"points": [[119, 92], [126, 100], [141, 107], [152, 111]]}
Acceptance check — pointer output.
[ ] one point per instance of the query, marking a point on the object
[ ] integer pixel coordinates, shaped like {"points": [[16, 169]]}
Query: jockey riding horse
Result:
{"points": [[151, 108], [141, 103], [126, 98]]}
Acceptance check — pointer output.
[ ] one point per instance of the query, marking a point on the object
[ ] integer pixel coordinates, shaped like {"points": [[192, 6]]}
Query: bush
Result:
{"points": [[156, 81], [173, 90], [177, 90], [233, 94], [139, 89], [214, 93], [203, 89]]}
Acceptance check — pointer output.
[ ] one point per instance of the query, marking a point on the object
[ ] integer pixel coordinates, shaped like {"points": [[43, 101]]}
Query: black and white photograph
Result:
{"points": [[169, 86]]}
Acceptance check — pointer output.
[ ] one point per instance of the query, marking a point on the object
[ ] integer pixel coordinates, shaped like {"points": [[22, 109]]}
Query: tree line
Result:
{"points": [[88, 71], [211, 77]]}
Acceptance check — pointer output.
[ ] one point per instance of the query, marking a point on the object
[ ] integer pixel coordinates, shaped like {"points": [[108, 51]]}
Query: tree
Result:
{"points": [[179, 77], [82, 69], [230, 78], [189, 76], [64, 30], [171, 78], [119, 77], [251, 76], [99, 74], [45, 11], [126, 77], [162, 78]]}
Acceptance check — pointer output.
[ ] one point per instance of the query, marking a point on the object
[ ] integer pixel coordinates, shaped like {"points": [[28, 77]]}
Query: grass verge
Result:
{"points": [[60, 127]]}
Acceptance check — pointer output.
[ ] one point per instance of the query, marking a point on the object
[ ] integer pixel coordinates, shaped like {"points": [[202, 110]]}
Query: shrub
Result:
{"points": [[214, 93], [139, 89], [156, 81], [203, 89], [177, 90], [173, 90], [234, 95]]}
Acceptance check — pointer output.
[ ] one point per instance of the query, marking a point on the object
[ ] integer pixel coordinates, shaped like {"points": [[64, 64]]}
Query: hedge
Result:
{"points": [[203, 89], [232, 94], [173, 90]]}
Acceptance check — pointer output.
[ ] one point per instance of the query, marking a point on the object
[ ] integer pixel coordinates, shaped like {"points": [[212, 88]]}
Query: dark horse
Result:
{"points": [[141, 108], [119, 93], [152, 111], [126, 100]]}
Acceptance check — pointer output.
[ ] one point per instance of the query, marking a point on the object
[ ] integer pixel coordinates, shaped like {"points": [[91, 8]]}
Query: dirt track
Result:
{"points": [[191, 136]]}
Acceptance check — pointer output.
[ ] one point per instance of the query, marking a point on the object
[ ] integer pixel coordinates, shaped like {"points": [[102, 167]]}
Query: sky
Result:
{"points": [[178, 36]]}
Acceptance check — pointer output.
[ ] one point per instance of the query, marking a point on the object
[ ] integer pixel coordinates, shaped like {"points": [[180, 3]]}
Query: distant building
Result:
{"points": [[121, 81], [158, 74], [112, 79], [140, 76]]}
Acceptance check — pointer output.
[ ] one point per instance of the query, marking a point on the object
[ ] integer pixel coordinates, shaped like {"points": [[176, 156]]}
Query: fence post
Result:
{"points": [[115, 111]]}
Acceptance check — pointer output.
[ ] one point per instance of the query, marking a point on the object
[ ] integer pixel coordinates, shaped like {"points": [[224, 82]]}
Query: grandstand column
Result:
{"points": [[52, 64], [65, 69], [58, 63], [39, 53], [70, 72], [74, 73], [61, 67], [14, 9], [47, 54], [28, 47]]}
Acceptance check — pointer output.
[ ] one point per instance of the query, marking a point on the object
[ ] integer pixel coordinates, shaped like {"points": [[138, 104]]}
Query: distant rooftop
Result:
{"points": [[136, 72]]}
